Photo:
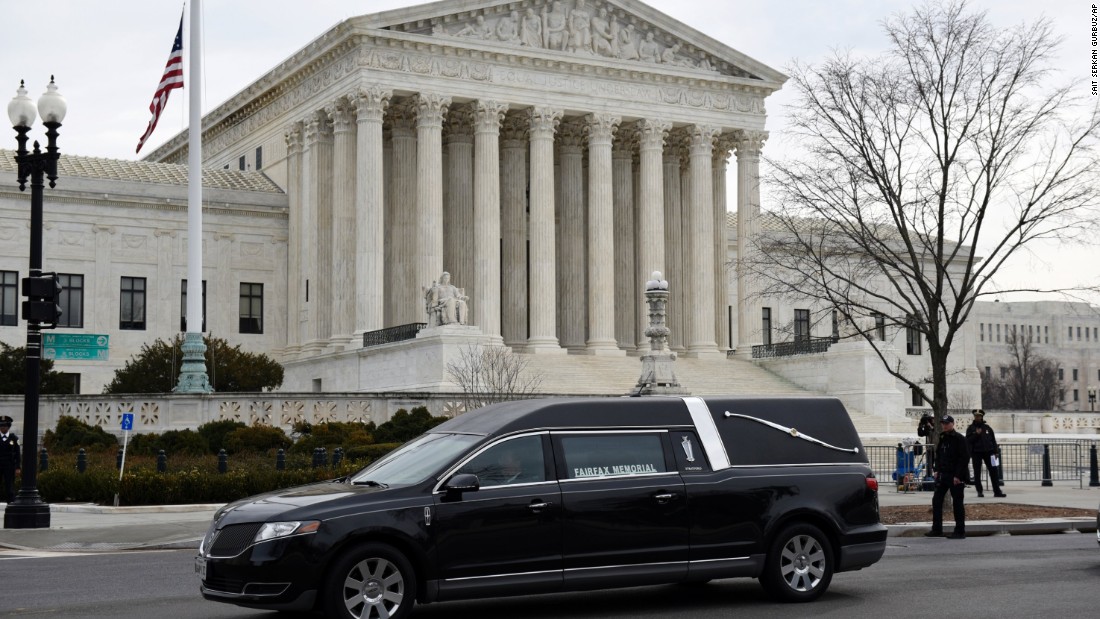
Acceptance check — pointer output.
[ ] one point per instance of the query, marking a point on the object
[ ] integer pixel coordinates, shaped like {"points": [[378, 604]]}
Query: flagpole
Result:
{"points": [[193, 378]]}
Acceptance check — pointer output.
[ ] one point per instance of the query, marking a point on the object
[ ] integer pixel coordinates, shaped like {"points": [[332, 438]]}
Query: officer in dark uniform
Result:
{"points": [[952, 463], [10, 458]]}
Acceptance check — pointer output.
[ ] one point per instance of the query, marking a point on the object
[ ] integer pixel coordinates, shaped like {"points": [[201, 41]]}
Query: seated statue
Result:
{"points": [[445, 303]]}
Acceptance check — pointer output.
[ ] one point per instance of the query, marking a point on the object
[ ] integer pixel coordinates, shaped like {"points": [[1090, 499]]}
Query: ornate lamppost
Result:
{"points": [[29, 511]]}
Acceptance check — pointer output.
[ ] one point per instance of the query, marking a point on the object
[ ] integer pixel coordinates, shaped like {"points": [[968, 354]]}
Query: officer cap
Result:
{"points": [[948, 419], [5, 420]]}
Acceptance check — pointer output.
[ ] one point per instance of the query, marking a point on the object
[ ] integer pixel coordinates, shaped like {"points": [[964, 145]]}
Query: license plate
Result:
{"points": [[200, 567]]}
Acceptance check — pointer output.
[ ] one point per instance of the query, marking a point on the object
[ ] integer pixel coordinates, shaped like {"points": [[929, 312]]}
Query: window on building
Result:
{"points": [[1076, 395], [183, 306], [131, 314], [1075, 374], [1061, 374], [1070, 333], [1004, 372], [981, 331], [1030, 334], [241, 163], [1046, 335], [1061, 395], [71, 382], [9, 298], [988, 373], [915, 398], [1078, 334], [802, 325], [836, 325], [766, 325], [71, 300], [998, 333], [252, 308], [259, 158], [912, 337], [880, 327]]}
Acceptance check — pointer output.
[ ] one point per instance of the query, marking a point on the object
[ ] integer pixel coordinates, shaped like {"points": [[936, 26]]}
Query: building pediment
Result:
{"points": [[625, 31]]}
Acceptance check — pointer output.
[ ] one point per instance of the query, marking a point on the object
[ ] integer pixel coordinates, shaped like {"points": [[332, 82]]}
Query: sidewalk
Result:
{"points": [[86, 527]]}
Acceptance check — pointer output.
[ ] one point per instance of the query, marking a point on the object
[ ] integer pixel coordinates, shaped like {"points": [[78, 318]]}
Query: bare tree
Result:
{"points": [[491, 374], [952, 141], [1030, 380]]}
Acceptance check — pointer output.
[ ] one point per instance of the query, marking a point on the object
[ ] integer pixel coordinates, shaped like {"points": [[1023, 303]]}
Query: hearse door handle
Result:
{"points": [[664, 497], [539, 506]]}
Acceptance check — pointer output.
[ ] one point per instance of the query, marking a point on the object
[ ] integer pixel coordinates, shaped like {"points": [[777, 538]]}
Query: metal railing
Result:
{"points": [[1069, 461], [392, 334], [797, 347]]}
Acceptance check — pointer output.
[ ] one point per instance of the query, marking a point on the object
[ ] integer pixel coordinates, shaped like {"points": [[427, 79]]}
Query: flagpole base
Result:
{"points": [[193, 377]]}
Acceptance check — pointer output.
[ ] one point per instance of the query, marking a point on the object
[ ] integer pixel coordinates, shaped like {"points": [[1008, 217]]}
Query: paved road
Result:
{"points": [[996, 577]]}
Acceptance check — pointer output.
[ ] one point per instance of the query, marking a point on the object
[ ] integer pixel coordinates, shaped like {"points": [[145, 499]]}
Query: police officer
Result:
{"points": [[952, 463], [10, 458]]}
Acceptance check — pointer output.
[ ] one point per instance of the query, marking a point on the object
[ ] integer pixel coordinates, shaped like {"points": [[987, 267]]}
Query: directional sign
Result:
{"points": [[79, 346], [127, 421]]}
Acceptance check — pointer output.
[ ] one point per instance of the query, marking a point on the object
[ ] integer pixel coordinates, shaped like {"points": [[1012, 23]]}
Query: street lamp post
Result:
{"points": [[29, 511]]}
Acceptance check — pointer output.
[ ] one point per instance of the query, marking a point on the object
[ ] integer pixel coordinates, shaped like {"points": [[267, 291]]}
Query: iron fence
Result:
{"points": [[1069, 461], [797, 347], [392, 334]]}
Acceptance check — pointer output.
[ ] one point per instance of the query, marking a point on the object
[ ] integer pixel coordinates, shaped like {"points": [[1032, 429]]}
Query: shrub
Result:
{"points": [[405, 426], [256, 438], [72, 434], [331, 435], [177, 442], [216, 433], [369, 453]]}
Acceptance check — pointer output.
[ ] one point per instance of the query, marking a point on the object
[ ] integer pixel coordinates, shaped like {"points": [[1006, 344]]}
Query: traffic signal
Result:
{"points": [[43, 293]]}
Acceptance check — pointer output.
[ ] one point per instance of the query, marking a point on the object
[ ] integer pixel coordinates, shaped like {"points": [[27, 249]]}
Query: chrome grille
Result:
{"points": [[233, 539]]}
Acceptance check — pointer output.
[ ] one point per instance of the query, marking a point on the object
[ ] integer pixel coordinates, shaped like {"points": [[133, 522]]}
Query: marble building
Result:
{"points": [[544, 153]]}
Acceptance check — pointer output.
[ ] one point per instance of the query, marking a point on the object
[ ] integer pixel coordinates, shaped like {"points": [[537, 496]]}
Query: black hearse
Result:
{"points": [[539, 496]]}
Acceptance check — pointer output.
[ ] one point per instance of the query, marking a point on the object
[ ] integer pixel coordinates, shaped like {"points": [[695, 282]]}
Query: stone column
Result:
{"points": [[370, 232], [458, 214], [430, 111], [342, 264], [486, 238], [699, 244], [514, 229], [294, 243], [748, 147], [722, 147], [571, 283], [673, 215], [651, 222], [403, 293], [319, 244], [601, 236], [542, 281], [626, 297]]}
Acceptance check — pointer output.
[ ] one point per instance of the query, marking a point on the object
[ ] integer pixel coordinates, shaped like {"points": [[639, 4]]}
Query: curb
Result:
{"points": [[92, 508], [1040, 526]]}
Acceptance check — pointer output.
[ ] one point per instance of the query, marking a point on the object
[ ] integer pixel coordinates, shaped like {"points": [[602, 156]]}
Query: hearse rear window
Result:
{"points": [[612, 455]]}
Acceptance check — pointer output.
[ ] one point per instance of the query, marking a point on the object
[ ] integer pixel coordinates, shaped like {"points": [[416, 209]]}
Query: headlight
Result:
{"points": [[273, 530]]}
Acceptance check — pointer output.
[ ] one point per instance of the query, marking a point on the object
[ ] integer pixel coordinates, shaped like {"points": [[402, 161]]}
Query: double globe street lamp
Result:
{"points": [[40, 310]]}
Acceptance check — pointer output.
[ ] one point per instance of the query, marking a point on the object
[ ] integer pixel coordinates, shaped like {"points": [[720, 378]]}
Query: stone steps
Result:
{"points": [[600, 375]]}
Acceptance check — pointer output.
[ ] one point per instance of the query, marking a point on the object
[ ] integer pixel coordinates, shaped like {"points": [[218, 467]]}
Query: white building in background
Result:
{"points": [[549, 171], [1067, 333]]}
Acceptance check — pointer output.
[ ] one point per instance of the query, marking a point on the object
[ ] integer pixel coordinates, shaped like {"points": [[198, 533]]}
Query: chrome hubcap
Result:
{"points": [[802, 563], [373, 589]]}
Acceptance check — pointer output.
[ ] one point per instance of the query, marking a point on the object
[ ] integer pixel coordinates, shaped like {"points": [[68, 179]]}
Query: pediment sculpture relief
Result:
{"points": [[578, 27]]}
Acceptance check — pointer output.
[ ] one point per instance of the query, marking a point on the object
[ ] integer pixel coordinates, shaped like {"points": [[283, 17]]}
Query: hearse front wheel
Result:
{"points": [[371, 581], [799, 565]]}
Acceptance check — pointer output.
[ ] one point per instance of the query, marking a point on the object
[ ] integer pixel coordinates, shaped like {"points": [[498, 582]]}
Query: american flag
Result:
{"points": [[172, 79]]}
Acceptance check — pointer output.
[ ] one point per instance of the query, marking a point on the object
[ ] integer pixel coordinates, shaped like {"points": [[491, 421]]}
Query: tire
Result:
{"points": [[371, 581], [799, 565]]}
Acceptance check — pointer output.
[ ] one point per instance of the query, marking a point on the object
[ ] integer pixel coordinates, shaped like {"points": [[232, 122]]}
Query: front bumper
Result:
{"points": [[281, 574]]}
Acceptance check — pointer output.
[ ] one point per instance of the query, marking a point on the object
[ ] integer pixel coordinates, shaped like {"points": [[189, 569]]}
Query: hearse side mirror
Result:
{"points": [[463, 482]]}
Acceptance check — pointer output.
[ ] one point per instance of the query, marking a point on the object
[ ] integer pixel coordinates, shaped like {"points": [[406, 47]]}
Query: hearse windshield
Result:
{"points": [[416, 460]]}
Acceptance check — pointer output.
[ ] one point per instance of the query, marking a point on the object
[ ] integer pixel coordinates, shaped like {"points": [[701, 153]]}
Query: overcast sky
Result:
{"points": [[108, 57]]}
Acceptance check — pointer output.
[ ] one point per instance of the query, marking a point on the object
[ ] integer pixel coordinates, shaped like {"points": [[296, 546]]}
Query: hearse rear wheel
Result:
{"points": [[371, 581], [799, 565]]}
